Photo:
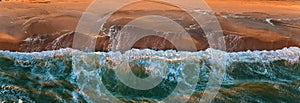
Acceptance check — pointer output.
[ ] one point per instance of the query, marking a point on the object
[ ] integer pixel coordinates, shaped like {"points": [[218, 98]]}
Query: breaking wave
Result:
{"points": [[69, 75]]}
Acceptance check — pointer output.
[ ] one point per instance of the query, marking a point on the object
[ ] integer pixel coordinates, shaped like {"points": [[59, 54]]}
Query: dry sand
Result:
{"points": [[243, 21]]}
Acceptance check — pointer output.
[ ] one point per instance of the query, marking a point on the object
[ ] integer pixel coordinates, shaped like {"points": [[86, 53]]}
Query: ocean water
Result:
{"points": [[72, 76]]}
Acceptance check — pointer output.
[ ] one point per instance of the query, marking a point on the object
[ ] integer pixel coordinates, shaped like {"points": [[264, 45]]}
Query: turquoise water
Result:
{"points": [[72, 76]]}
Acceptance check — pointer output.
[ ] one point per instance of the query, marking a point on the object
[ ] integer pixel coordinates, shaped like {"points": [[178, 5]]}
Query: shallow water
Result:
{"points": [[69, 75]]}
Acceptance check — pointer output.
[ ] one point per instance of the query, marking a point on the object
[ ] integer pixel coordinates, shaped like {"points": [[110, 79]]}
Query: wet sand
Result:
{"points": [[247, 24]]}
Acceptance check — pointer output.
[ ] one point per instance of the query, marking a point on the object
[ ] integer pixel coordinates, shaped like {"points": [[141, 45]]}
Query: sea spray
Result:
{"points": [[50, 76]]}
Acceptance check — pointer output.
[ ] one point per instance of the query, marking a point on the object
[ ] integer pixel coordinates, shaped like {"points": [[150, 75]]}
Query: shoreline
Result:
{"points": [[245, 26]]}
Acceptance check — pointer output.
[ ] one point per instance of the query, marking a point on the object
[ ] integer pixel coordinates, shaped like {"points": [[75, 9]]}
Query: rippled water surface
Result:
{"points": [[68, 75]]}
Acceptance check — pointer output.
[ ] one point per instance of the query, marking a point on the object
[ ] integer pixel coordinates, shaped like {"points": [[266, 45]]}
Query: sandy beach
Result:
{"points": [[247, 24], [45, 57]]}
